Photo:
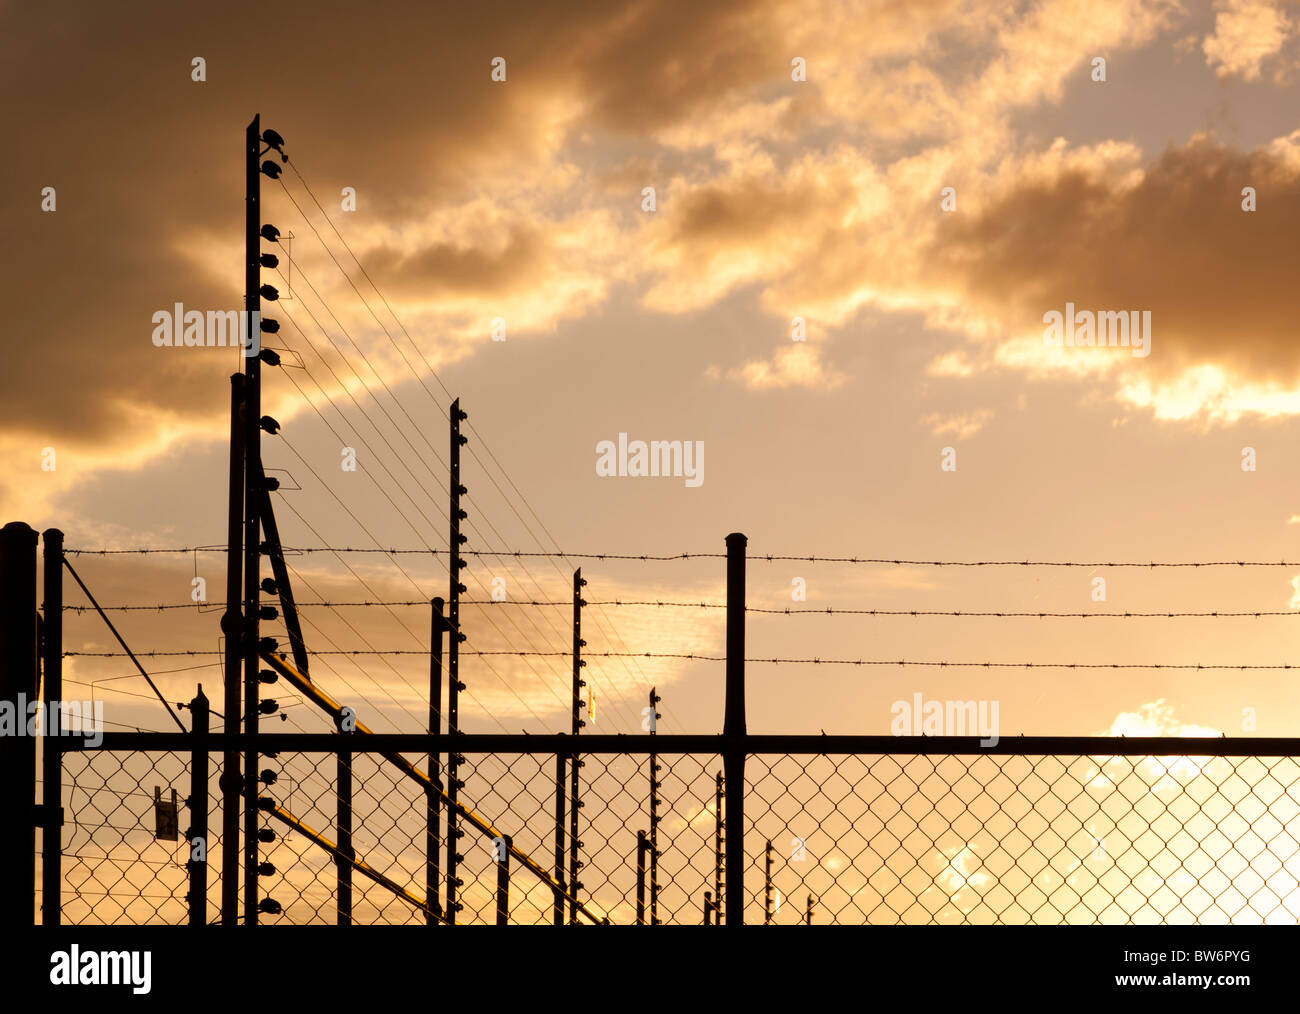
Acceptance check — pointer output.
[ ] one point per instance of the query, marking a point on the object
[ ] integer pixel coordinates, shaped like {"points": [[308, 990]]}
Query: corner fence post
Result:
{"points": [[18, 753], [733, 730], [52, 758], [198, 804]]}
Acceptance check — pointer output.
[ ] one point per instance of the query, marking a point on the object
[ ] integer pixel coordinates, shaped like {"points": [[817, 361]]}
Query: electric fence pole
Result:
{"points": [[454, 639], [575, 761], [654, 813]]}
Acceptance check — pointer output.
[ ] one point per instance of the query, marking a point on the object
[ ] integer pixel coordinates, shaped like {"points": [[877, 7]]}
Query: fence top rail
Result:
{"points": [[332, 742]]}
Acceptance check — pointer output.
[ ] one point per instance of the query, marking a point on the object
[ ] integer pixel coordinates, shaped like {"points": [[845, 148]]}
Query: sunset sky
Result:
{"points": [[775, 198]]}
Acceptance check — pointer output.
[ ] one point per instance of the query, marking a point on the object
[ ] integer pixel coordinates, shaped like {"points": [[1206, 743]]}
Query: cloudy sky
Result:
{"points": [[798, 155]]}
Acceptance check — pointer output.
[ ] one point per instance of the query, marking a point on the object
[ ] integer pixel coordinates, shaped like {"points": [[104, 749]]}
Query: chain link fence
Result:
{"points": [[839, 839], [1024, 839], [117, 870]]}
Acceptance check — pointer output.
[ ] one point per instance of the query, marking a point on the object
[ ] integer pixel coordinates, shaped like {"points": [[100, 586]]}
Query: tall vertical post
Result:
{"points": [[432, 798], [503, 880], [252, 490], [454, 639], [575, 762], [808, 914], [558, 913], [343, 827], [198, 804], [52, 758], [654, 814], [18, 669], [708, 908], [232, 625], [717, 848], [767, 884], [642, 847], [734, 731]]}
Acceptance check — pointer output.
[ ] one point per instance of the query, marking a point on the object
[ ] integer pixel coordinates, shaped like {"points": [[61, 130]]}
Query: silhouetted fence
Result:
{"points": [[982, 836], [732, 828]]}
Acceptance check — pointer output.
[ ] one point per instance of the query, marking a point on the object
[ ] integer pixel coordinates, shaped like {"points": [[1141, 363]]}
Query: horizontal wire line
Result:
{"points": [[764, 558], [298, 577], [427, 552], [829, 610], [416, 691], [772, 661], [419, 693], [363, 696]]}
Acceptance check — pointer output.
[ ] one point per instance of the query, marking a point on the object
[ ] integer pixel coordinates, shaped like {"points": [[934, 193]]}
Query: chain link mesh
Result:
{"points": [[1024, 839], [989, 838], [116, 871]]}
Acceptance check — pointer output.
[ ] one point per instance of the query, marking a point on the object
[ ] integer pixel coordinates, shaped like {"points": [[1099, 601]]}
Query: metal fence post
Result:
{"points": [[654, 814], [52, 758], [18, 677], [253, 486], [642, 846], [733, 729], [432, 797], [454, 638], [708, 908], [232, 626], [576, 762], [344, 822], [767, 884], [503, 880], [198, 804], [717, 849], [557, 916]]}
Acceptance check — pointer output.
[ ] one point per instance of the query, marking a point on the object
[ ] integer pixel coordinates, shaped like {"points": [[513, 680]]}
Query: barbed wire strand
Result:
{"points": [[763, 558], [774, 661], [811, 610]]}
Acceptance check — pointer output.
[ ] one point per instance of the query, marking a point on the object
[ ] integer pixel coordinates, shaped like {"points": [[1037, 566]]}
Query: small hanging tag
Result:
{"points": [[165, 816]]}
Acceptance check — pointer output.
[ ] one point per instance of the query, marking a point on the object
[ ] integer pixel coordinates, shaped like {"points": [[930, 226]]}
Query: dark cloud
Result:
{"points": [[443, 268], [396, 102], [1217, 280]]}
